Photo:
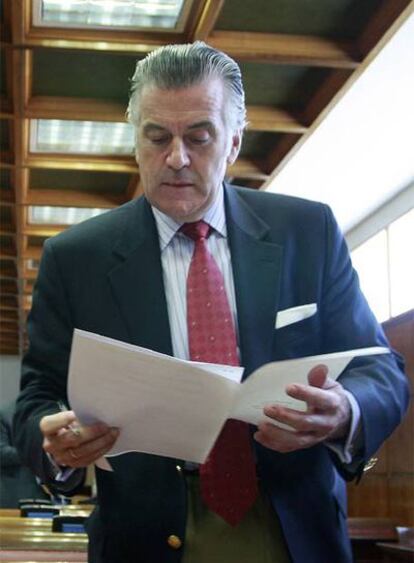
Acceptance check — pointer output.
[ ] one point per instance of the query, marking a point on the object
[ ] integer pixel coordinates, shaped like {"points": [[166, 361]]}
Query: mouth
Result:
{"points": [[178, 184]]}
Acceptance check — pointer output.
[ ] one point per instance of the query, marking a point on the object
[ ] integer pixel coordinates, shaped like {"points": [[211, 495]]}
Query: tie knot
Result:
{"points": [[196, 231]]}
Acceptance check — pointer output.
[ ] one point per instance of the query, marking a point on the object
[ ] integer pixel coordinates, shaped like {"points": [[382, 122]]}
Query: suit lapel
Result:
{"points": [[257, 269], [137, 281]]}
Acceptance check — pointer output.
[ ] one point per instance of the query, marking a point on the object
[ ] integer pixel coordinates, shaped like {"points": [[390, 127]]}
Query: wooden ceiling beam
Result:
{"points": [[8, 303], [6, 106], [52, 107], [7, 165], [246, 168], [9, 343], [9, 350], [7, 198], [275, 120], [207, 20], [383, 24], [122, 164], [8, 339], [29, 275], [9, 316], [72, 198], [280, 155], [118, 41], [7, 230], [22, 60], [19, 20], [285, 49], [6, 157], [386, 20], [261, 118], [43, 230], [6, 328], [5, 29], [135, 188], [8, 254], [8, 273], [32, 253], [8, 287]]}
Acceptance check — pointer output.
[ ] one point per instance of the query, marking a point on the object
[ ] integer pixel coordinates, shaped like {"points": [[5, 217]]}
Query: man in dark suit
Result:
{"points": [[16, 481], [292, 292]]}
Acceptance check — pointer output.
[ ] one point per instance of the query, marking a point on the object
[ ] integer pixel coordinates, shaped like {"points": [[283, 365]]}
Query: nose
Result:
{"points": [[178, 157]]}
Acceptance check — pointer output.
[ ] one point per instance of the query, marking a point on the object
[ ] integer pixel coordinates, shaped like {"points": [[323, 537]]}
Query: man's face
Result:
{"points": [[183, 147]]}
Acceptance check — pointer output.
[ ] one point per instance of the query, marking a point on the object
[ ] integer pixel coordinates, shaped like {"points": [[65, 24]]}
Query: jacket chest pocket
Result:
{"points": [[299, 339]]}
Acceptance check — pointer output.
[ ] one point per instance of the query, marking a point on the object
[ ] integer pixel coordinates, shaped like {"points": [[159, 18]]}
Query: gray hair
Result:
{"points": [[178, 66]]}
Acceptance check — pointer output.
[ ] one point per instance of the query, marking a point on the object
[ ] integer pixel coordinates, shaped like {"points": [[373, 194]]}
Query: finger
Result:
{"points": [[308, 422], [52, 423], [57, 443], [321, 399], [87, 453], [318, 375], [98, 446], [282, 440]]}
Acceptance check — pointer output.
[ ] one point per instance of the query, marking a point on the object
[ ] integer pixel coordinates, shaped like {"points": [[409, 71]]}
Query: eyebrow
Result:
{"points": [[153, 127], [150, 127], [202, 125]]}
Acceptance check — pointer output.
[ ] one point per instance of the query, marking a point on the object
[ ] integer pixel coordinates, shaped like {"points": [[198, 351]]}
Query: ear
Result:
{"points": [[136, 149], [235, 146]]}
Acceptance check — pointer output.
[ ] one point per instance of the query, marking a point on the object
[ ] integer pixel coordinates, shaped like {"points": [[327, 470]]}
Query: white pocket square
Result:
{"points": [[295, 314]]}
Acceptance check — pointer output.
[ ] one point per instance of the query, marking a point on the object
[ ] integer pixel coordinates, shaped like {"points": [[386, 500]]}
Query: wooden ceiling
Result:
{"points": [[298, 57]]}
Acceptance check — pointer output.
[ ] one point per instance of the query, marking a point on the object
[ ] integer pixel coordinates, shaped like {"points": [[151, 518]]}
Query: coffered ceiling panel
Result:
{"points": [[60, 84]]}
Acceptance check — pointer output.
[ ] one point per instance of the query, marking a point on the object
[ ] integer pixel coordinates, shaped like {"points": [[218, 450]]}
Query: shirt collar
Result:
{"points": [[214, 216]]}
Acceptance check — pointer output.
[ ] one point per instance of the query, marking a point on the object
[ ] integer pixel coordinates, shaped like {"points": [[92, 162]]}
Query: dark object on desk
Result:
{"points": [[38, 511], [38, 501], [69, 524]]}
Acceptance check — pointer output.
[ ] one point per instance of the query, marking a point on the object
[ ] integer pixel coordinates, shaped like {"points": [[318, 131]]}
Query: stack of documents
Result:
{"points": [[176, 408]]}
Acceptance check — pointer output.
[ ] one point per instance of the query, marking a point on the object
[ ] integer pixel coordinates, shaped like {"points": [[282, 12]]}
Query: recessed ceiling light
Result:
{"points": [[81, 137], [53, 215], [136, 14]]}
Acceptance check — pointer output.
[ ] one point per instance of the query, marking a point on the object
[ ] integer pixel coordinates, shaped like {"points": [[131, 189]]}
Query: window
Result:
{"points": [[386, 268], [401, 258]]}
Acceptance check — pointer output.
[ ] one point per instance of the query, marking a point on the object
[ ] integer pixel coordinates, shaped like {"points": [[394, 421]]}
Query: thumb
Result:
{"points": [[318, 375]]}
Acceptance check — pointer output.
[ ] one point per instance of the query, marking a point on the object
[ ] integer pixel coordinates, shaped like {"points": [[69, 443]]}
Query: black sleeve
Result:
{"points": [[44, 368]]}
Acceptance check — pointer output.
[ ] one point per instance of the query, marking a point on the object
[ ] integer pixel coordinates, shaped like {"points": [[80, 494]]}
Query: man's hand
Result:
{"points": [[327, 417], [73, 445]]}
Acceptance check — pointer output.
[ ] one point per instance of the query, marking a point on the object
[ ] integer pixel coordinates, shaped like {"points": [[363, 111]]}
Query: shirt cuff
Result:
{"points": [[60, 474], [345, 450]]}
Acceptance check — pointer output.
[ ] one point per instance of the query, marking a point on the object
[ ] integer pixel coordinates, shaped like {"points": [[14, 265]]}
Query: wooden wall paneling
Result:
{"points": [[401, 495], [387, 490]]}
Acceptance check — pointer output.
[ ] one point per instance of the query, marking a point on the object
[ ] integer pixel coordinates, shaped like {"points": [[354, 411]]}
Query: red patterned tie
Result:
{"points": [[228, 477]]}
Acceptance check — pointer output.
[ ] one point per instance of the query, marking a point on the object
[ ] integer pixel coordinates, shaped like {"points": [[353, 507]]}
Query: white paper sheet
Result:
{"points": [[172, 407]]}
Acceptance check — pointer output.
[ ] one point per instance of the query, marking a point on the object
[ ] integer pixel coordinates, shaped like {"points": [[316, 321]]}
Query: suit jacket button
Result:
{"points": [[174, 541]]}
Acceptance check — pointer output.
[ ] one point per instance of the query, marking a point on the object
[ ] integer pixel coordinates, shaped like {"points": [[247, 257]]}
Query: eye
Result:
{"points": [[159, 140], [200, 139]]}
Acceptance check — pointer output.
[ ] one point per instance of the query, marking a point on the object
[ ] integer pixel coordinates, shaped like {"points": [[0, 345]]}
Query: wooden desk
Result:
{"points": [[396, 552]]}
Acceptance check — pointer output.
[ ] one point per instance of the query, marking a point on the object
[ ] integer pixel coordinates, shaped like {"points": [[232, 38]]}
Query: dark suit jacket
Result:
{"points": [[105, 276]]}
